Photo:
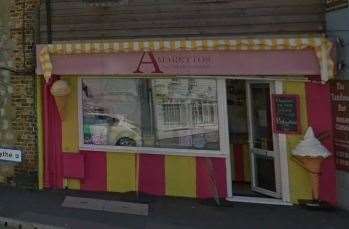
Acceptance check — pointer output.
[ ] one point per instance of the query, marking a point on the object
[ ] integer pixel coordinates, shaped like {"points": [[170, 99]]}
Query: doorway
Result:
{"points": [[254, 155]]}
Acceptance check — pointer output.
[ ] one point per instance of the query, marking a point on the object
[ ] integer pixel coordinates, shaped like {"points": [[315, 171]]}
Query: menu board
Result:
{"points": [[286, 114], [340, 111]]}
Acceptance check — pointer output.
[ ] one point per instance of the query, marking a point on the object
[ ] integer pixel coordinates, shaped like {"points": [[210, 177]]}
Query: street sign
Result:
{"points": [[10, 155]]}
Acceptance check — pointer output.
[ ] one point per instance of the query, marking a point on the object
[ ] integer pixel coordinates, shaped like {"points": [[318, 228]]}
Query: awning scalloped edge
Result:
{"points": [[321, 45]]}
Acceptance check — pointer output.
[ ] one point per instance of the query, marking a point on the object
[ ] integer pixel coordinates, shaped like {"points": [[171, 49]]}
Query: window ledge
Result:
{"points": [[157, 151]]}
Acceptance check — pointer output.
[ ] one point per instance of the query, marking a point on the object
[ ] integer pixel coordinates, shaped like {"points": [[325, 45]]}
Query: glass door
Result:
{"points": [[262, 141]]}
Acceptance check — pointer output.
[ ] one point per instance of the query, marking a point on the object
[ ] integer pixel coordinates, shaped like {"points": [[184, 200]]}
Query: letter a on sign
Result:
{"points": [[152, 61]]}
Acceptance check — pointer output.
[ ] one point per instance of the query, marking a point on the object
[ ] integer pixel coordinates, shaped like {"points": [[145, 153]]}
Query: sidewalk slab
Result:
{"points": [[106, 205]]}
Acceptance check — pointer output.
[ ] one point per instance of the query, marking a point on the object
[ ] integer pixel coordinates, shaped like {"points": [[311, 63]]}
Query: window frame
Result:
{"points": [[222, 125]]}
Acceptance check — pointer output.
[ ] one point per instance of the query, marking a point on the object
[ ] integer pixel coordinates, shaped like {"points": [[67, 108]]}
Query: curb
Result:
{"points": [[19, 224]]}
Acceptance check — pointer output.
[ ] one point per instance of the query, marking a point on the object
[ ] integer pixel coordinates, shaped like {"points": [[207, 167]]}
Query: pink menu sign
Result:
{"points": [[203, 63]]}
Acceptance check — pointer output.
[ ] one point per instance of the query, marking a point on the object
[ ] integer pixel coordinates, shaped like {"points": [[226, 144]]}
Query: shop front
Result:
{"points": [[186, 118]]}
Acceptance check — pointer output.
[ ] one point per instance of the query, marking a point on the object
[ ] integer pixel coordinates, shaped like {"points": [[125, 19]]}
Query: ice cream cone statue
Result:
{"points": [[60, 90], [311, 153]]}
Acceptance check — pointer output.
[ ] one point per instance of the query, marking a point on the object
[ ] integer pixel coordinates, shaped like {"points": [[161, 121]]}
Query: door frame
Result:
{"points": [[274, 152], [281, 146]]}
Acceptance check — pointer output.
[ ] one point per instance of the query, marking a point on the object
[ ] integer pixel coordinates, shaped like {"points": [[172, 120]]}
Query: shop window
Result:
{"points": [[154, 113]]}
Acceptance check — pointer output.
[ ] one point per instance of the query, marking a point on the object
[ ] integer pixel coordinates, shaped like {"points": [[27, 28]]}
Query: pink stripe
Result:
{"points": [[53, 177], [95, 171], [73, 165], [152, 174], [320, 118], [203, 183], [239, 163]]}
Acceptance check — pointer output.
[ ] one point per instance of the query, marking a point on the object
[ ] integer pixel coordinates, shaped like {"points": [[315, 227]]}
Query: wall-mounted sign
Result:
{"points": [[188, 63], [10, 155], [336, 4], [340, 111], [286, 114]]}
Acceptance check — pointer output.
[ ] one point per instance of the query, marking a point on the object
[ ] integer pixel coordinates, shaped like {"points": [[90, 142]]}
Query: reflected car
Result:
{"points": [[110, 129]]}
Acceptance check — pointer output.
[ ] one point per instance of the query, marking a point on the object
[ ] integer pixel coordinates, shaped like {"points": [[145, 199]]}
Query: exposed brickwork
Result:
{"points": [[23, 99]]}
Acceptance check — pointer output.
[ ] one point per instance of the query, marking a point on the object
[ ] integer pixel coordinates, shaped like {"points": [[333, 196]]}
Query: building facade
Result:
{"points": [[338, 31], [18, 116], [183, 98]]}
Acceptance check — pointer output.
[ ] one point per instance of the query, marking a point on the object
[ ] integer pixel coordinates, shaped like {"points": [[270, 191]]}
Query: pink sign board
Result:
{"points": [[182, 63]]}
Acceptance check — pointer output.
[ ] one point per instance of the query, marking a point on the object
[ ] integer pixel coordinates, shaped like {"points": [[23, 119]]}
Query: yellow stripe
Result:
{"points": [[180, 176], [121, 172], [70, 125], [41, 149], [300, 186], [73, 184]]}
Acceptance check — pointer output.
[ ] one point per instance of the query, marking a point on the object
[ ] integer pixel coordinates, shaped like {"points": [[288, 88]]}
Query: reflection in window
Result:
{"points": [[261, 117], [164, 113]]}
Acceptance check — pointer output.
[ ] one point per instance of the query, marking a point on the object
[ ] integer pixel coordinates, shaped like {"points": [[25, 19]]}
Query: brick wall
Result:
{"points": [[22, 29]]}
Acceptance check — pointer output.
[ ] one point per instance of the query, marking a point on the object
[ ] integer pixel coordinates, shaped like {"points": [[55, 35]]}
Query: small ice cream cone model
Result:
{"points": [[311, 153], [60, 90]]}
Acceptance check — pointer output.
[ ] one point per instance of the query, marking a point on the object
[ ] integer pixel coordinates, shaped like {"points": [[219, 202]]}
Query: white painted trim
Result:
{"points": [[258, 200], [323, 64], [81, 126], [222, 153], [250, 137], [282, 140], [276, 151], [157, 151], [224, 131]]}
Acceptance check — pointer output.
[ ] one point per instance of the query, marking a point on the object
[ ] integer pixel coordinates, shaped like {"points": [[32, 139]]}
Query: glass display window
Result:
{"points": [[154, 113]]}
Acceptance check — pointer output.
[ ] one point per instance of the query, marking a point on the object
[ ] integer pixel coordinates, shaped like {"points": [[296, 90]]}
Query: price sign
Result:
{"points": [[286, 114]]}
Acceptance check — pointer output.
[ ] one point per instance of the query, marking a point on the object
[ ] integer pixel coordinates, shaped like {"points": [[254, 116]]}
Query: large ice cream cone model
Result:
{"points": [[60, 91], [311, 153], [313, 166]]}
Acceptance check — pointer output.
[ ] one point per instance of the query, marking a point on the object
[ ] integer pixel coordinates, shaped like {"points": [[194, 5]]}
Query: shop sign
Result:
{"points": [[10, 155], [189, 63], [336, 4], [340, 111], [286, 114]]}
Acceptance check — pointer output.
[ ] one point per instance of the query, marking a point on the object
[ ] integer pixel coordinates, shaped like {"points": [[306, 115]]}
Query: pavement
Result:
{"points": [[45, 208]]}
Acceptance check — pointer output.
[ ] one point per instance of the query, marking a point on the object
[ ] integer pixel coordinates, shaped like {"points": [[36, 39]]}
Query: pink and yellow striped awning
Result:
{"points": [[321, 45]]}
